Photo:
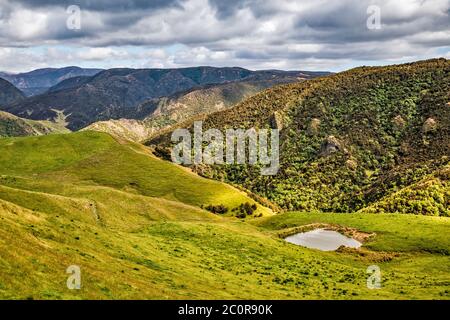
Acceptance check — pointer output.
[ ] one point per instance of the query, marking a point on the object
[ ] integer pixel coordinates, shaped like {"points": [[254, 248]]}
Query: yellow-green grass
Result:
{"points": [[134, 225], [61, 164], [199, 259]]}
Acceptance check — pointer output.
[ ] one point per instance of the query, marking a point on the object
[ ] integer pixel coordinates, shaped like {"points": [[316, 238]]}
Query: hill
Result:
{"points": [[121, 93], [38, 81], [13, 126], [9, 93], [133, 225], [87, 159], [428, 196], [347, 140]]}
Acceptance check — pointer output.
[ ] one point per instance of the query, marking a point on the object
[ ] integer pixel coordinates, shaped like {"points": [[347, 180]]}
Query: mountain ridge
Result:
{"points": [[9, 93], [120, 93], [182, 105], [40, 80]]}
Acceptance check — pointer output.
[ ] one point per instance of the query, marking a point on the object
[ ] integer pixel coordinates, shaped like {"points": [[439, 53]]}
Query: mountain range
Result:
{"points": [[181, 106], [9, 93], [125, 93], [40, 80]]}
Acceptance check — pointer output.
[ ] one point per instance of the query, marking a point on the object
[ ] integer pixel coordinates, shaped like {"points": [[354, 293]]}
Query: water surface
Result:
{"points": [[325, 240]]}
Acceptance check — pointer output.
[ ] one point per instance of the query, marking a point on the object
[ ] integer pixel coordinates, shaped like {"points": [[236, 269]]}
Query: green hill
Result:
{"points": [[429, 196], [134, 226], [82, 161], [347, 140], [13, 126]]}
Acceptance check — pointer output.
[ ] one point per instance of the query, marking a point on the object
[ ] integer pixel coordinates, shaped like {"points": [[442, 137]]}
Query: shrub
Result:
{"points": [[218, 209], [245, 209]]}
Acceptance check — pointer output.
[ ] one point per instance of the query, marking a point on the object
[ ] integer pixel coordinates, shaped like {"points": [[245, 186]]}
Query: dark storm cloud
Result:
{"points": [[228, 8]]}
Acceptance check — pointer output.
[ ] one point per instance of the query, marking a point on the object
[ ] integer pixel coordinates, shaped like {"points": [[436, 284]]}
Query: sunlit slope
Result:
{"points": [[213, 260], [95, 166], [134, 226]]}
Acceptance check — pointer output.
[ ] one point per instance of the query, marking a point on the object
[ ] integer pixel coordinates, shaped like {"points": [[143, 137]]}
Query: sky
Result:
{"points": [[331, 35]]}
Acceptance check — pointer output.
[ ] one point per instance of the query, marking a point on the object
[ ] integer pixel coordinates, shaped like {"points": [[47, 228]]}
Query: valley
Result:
{"points": [[359, 157]]}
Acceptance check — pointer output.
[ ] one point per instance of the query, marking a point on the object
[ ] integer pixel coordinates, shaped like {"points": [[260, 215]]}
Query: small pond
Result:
{"points": [[325, 240]]}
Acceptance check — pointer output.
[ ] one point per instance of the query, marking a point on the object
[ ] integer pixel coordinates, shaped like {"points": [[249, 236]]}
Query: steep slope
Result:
{"points": [[429, 196], [346, 140], [9, 93], [206, 100], [120, 93], [69, 83], [13, 126], [182, 106], [40, 80]]}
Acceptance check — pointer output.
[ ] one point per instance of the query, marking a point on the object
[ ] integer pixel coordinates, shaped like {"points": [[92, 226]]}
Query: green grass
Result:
{"points": [[61, 164], [134, 226], [206, 259]]}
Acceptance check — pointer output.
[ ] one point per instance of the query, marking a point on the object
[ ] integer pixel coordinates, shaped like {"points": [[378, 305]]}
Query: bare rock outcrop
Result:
{"points": [[429, 125], [330, 145]]}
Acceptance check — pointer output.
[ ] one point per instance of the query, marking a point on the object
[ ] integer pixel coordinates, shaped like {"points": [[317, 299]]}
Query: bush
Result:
{"points": [[218, 209], [245, 209]]}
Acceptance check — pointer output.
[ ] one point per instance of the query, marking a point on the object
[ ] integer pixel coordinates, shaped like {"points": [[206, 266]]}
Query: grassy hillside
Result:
{"points": [[129, 129], [208, 259], [13, 126], [134, 226], [347, 140], [67, 164]]}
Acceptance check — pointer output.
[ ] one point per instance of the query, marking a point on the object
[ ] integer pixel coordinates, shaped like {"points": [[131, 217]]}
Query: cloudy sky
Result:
{"points": [[256, 34]]}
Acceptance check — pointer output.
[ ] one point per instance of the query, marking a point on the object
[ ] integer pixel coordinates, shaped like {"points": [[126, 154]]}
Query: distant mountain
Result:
{"points": [[9, 93], [349, 141], [69, 83], [40, 80], [181, 106], [121, 93], [13, 126]]}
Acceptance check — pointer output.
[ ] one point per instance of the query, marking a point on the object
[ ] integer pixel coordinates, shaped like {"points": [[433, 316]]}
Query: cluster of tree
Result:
{"points": [[244, 209], [217, 209]]}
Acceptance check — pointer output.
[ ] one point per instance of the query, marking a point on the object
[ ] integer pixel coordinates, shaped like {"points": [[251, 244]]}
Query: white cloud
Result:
{"points": [[101, 54], [307, 34]]}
